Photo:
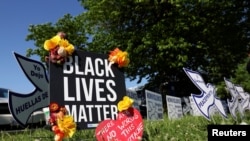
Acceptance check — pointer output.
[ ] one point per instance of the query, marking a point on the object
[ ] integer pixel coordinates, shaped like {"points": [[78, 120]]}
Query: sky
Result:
{"points": [[16, 16]]}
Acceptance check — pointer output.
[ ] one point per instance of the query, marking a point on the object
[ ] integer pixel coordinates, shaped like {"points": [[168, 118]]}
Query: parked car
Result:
{"points": [[37, 118]]}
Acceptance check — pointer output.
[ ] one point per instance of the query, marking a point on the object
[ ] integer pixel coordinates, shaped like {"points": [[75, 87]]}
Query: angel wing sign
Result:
{"points": [[207, 98], [23, 105]]}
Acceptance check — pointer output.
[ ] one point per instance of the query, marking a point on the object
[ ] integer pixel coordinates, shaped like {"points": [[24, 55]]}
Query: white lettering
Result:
{"points": [[77, 66], [67, 66], [83, 113], [112, 95], [108, 69], [99, 62], [99, 90], [66, 90], [90, 67], [216, 132], [88, 90]]}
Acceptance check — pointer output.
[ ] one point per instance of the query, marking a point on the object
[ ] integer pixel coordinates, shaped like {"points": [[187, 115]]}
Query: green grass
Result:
{"points": [[187, 128]]}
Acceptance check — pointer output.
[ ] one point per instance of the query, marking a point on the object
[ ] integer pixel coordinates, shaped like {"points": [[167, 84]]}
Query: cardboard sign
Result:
{"points": [[89, 86], [127, 127], [207, 98], [23, 105], [154, 105], [233, 103], [174, 107], [186, 106], [245, 98], [195, 110], [133, 94], [239, 101]]}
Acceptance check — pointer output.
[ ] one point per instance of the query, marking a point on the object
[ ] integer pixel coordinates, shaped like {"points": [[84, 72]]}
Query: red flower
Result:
{"points": [[53, 107]]}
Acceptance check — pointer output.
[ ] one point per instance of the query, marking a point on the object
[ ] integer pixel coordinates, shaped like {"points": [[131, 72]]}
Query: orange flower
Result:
{"points": [[113, 55], [119, 57], [122, 59], [125, 103]]}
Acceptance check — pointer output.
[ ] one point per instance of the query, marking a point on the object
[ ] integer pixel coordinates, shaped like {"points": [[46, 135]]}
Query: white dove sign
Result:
{"points": [[23, 105], [233, 103], [207, 98], [245, 98], [239, 100]]}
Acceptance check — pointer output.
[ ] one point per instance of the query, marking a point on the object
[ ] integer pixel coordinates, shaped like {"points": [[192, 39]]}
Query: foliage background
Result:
{"points": [[162, 37]]}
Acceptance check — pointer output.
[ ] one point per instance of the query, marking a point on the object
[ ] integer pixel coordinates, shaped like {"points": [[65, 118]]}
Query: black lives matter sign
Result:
{"points": [[89, 86]]}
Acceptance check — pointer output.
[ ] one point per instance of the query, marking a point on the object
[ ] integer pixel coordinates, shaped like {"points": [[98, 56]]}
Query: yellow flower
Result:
{"points": [[59, 41], [70, 49], [125, 103], [67, 126], [52, 43]]}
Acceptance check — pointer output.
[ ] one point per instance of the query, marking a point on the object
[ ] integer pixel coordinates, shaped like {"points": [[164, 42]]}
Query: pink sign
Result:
{"points": [[127, 127]]}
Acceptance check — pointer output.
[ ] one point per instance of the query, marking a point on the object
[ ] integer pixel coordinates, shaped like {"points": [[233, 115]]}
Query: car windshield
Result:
{"points": [[3, 93]]}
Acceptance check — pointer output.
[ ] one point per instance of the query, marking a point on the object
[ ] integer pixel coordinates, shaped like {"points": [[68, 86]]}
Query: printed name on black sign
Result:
{"points": [[228, 131]]}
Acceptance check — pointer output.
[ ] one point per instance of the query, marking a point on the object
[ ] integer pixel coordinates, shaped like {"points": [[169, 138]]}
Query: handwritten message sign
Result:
{"points": [[207, 98], [174, 107], [154, 105], [89, 86], [23, 105], [127, 127]]}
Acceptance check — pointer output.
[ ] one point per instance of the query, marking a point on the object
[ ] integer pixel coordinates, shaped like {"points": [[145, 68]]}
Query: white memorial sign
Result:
{"points": [[133, 94], [23, 105], [154, 105], [195, 110], [245, 97], [234, 101], [207, 98], [174, 107]]}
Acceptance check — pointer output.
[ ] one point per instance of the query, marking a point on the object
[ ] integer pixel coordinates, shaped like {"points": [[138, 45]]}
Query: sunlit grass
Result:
{"points": [[187, 128]]}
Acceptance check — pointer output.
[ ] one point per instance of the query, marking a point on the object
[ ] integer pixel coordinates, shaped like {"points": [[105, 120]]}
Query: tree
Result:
{"points": [[74, 27], [242, 77], [161, 36]]}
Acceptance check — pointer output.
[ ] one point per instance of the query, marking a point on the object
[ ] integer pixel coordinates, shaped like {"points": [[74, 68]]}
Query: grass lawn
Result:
{"points": [[187, 128]]}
